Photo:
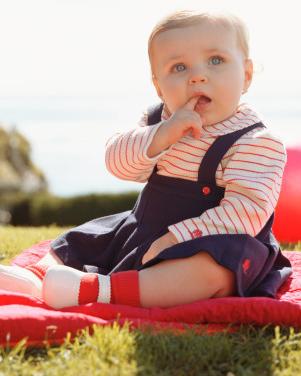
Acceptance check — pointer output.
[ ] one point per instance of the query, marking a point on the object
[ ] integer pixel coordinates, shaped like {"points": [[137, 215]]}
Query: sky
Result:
{"points": [[94, 47]]}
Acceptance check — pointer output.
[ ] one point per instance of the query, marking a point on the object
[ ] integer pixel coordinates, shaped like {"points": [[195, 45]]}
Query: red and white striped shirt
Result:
{"points": [[251, 172]]}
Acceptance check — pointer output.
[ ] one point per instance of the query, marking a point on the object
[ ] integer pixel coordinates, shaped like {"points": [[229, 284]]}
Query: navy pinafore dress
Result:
{"points": [[118, 242]]}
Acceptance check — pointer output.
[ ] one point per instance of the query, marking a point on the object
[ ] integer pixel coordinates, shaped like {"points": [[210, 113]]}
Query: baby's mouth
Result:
{"points": [[203, 100], [202, 103]]}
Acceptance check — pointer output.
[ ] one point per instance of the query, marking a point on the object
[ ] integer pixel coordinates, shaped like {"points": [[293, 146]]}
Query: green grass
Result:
{"points": [[119, 351]]}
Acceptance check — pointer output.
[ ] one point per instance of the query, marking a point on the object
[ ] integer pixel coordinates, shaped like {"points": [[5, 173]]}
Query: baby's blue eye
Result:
{"points": [[216, 60], [179, 67]]}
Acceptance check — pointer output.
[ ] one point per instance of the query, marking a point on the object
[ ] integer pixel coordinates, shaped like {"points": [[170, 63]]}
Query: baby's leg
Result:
{"points": [[27, 280], [166, 284], [180, 281], [17, 279]]}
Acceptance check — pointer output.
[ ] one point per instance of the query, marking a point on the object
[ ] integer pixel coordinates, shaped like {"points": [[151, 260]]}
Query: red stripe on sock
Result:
{"points": [[125, 288], [38, 269], [88, 289]]}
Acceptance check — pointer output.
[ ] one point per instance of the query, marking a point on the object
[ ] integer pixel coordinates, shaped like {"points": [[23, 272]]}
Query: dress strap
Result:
{"points": [[217, 150], [154, 114]]}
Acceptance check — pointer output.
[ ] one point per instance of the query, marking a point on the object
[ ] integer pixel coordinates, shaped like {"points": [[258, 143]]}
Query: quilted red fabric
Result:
{"points": [[23, 316]]}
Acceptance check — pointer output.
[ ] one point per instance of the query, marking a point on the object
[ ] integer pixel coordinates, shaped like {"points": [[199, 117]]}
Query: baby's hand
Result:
{"points": [[165, 241], [185, 120], [182, 122]]}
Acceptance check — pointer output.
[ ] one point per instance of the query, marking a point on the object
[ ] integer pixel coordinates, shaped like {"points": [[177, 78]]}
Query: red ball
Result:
{"points": [[287, 225]]}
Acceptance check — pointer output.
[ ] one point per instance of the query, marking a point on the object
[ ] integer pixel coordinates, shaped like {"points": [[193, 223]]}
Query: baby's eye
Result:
{"points": [[178, 67], [216, 60]]}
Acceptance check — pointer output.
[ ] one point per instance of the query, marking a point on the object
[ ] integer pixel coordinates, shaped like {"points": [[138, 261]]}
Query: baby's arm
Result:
{"points": [[132, 155], [183, 121], [251, 174], [126, 155]]}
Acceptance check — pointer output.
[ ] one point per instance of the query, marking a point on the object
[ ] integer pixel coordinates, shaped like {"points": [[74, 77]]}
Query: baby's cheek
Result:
{"points": [[172, 104], [174, 95], [179, 101]]}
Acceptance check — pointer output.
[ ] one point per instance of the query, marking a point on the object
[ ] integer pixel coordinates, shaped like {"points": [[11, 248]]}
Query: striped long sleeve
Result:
{"points": [[126, 155]]}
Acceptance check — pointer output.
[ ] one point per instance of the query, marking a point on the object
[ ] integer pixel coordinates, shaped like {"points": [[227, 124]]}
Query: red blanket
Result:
{"points": [[23, 316]]}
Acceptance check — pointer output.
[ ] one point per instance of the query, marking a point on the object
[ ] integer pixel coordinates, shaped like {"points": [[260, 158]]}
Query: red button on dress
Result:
{"points": [[246, 264], [206, 190], [197, 234]]}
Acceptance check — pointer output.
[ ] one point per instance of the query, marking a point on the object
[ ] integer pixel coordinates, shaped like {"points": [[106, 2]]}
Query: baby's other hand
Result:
{"points": [[165, 241]]}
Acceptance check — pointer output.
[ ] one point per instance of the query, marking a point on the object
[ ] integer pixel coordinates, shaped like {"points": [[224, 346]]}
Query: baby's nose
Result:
{"points": [[198, 75]]}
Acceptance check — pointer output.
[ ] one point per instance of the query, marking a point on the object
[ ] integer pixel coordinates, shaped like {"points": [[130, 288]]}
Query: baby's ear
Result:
{"points": [[156, 84], [248, 73]]}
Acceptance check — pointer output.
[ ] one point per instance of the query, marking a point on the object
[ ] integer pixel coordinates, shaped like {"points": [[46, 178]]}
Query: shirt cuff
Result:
{"points": [[185, 230]]}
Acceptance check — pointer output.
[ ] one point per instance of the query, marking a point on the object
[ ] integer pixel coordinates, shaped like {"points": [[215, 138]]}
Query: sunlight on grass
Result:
{"points": [[15, 239], [119, 351]]}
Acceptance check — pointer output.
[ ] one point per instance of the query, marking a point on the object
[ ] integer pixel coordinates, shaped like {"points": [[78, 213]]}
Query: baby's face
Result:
{"points": [[202, 60]]}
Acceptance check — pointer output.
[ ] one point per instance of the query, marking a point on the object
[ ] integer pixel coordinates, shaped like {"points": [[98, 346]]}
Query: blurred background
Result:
{"points": [[73, 72]]}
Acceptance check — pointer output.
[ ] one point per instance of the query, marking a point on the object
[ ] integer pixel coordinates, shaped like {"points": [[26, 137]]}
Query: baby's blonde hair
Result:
{"points": [[184, 18]]}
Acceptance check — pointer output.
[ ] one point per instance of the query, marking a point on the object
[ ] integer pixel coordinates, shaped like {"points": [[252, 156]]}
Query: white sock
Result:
{"points": [[17, 279]]}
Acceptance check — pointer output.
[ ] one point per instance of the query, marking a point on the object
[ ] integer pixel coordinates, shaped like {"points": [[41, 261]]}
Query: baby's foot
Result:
{"points": [[66, 287], [62, 287], [17, 279]]}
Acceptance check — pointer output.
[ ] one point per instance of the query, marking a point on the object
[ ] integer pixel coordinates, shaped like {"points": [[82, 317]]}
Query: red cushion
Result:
{"points": [[23, 316]]}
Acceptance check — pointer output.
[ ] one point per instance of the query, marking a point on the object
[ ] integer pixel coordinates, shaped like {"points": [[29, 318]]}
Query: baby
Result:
{"points": [[201, 227]]}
